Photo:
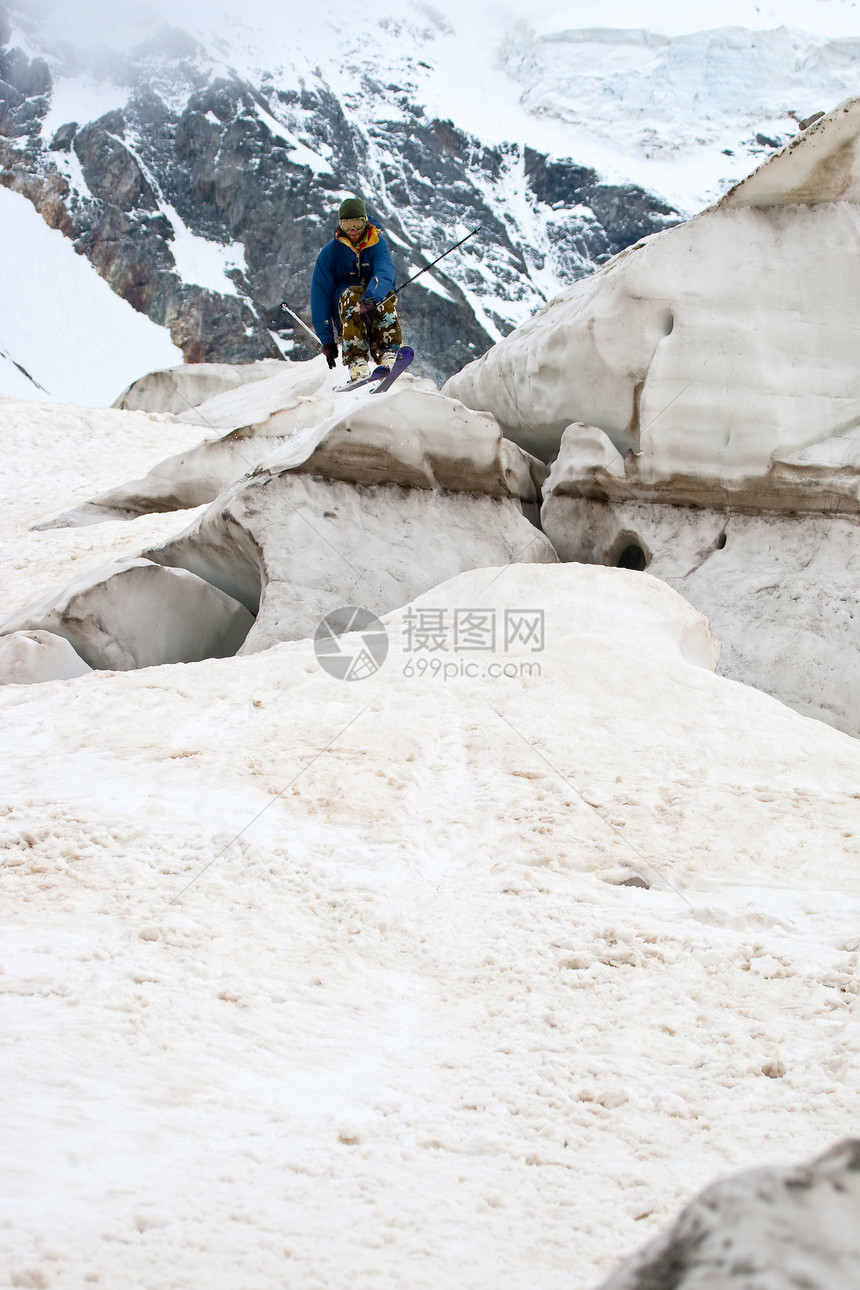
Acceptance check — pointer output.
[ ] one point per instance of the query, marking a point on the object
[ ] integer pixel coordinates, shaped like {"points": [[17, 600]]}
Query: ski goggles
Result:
{"points": [[353, 225]]}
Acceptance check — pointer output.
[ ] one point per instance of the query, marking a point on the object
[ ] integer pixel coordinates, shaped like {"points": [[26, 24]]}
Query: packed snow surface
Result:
{"points": [[64, 334], [310, 982], [59, 454]]}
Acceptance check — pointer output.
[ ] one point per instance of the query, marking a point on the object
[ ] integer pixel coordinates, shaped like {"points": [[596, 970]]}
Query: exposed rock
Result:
{"points": [[27, 658], [48, 194], [767, 1229], [118, 223], [62, 140], [232, 178], [25, 86], [620, 214], [30, 76], [133, 255], [10, 100], [137, 614], [264, 167], [111, 171], [293, 548]]}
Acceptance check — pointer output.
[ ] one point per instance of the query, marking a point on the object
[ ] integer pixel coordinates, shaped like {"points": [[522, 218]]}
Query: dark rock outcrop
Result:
{"points": [[768, 1229], [621, 213], [62, 140], [111, 171], [25, 87]]}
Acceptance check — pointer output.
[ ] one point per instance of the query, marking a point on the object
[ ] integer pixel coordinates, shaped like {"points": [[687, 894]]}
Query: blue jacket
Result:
{"points": [[340, 265]]}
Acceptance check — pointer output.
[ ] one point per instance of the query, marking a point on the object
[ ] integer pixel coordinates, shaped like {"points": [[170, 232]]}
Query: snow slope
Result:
{"points": [[55, 454], [75, 340], [315, 983]]}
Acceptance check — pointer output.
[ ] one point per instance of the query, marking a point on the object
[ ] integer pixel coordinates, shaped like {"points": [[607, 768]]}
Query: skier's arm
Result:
{"points": [[384, 274], [322, 298]]}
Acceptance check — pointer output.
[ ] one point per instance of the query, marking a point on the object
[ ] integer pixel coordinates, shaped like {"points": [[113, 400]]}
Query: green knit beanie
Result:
{"points": [[352, 208]]}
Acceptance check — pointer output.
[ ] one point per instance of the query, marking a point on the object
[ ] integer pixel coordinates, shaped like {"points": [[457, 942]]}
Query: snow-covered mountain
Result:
{"points": [[196, 154]]}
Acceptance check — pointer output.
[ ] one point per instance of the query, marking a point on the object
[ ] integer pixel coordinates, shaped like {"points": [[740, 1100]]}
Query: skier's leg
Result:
{"points": [[386, 336], [355, 347]]}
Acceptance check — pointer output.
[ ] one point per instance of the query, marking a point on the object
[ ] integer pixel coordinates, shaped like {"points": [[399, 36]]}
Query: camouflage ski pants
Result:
{"points": [[384, 328]]}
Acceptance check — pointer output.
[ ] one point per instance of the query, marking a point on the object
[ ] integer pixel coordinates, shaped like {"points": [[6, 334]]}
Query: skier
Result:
{"points": [[352, 291]]}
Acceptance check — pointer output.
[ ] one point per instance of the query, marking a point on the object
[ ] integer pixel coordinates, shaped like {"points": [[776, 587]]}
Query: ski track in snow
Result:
{"points": [[404, 1031]]}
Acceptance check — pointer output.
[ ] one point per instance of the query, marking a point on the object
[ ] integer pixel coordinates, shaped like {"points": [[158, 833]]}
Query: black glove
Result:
{"points": [[367, 309], [330, 352]]}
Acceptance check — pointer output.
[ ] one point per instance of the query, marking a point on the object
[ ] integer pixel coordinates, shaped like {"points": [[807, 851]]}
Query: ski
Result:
{"points": [[385, 377], [404, 357], [377, 374]]}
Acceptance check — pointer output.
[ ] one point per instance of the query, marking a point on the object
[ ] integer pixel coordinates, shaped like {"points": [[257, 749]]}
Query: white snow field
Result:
{"points": [[59, 454], [316, 983], [74, 338]]}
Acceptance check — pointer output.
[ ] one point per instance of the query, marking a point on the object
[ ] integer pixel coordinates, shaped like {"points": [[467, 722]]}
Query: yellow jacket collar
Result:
{"points": [[371, 237]]}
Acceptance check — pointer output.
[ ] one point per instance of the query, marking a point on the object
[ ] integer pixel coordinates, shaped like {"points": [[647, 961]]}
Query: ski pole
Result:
{"points": [[436, 261], [403, 286], [288, 310]]}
